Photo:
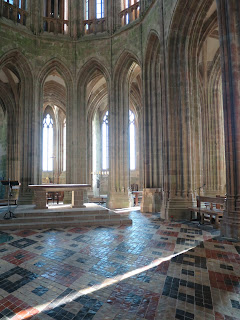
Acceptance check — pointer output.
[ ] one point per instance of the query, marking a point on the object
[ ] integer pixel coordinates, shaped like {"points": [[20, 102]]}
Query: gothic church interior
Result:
{"points": [[121, 94]]}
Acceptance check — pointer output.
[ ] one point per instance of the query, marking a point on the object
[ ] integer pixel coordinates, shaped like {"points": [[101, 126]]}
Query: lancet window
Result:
{"points": [[47, 160], [132, 139], [105, 142]]}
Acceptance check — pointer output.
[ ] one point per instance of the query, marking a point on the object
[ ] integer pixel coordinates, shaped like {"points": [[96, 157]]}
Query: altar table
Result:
{"points": [[40, 191]]}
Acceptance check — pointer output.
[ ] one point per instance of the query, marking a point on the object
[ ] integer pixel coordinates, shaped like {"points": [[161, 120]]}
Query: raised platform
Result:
{"points": [[62, 216]]}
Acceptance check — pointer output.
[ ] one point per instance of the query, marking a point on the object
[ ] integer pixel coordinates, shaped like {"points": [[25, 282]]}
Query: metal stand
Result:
{"points": [[9, 183]]}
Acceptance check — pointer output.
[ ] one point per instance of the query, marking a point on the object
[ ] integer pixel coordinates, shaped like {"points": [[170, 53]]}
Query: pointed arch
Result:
{"points": [[52, 66], [123, 64], [55, 65], [184, 35], [93, 84], [14, 59], [88, 69], [21, 134], [119, 156]]}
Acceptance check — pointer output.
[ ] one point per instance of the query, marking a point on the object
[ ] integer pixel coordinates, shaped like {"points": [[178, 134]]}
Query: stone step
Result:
{"points": [[92, 215], [52, 213], [62, 224], [69, 217]]}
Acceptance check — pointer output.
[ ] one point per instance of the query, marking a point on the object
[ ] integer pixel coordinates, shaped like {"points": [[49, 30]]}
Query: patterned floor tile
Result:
{"points": [[151, 270]]}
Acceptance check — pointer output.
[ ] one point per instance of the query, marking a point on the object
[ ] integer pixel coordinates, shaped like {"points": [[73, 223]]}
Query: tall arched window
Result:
{"points": [[87, 10], [132, 138], [99, 9], [47, 143], [105, 139]]}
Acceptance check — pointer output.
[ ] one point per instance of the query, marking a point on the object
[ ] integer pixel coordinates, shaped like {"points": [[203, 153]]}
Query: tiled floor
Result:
{"points": [[150, 270]]}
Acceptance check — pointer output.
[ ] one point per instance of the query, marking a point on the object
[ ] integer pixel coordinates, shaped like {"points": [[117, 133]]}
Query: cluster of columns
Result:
{"points": [[229, 31]]}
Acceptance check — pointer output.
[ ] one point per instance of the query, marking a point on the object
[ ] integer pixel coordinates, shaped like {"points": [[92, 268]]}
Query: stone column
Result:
{"points": [[153, 124], [27, 134], [73, 19], [40, 199], [229, 32], [36, 10], [119, 145], [77, 199], [56, 9], [117, 9]]}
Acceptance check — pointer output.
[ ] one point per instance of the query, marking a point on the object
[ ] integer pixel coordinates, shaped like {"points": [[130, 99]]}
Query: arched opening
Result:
{"points": [[134, 130], [54, 130], [195, 114], [127, 96], [210, 93], [17, 102], [97, 110]]}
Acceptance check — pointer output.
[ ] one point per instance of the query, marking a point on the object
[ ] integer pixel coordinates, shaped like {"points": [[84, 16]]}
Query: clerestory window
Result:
{"points": [[87, 10], [99, 9]]}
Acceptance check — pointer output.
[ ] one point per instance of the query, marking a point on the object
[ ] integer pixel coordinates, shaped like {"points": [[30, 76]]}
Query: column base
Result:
{"points": [[230, 225], [118, 200], [152, 200], [177, 209]]}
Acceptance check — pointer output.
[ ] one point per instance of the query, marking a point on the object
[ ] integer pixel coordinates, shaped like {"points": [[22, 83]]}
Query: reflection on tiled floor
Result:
{"points": [[150, 270]]}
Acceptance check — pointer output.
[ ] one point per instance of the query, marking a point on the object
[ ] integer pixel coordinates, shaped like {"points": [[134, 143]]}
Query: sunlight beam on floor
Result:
{"points": [[107, 282]]}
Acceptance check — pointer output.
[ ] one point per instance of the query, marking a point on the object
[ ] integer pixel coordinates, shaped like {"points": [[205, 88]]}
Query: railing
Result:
{"points": [[94, 25], [55, 25], [130, 14], [15, 14]]}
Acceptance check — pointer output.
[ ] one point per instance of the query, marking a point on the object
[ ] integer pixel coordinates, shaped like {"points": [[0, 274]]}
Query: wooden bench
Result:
{"points": [[209, 209]]}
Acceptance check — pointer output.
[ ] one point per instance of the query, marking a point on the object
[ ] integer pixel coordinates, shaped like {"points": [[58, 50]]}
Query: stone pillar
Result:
{"points": [[36, 11], [40, 199], [77, 199], [56, 9], [152, 200], [73, 19], [153, 115], [229, 32], [117, 19], [119, 145]]}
